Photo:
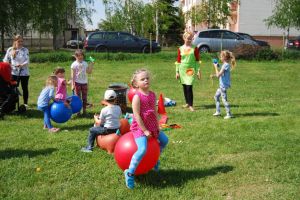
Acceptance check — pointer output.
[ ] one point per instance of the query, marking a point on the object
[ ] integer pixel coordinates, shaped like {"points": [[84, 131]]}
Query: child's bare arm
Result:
{"points": [[218, 73], [89, 69], [97, 120], [72, 79]]}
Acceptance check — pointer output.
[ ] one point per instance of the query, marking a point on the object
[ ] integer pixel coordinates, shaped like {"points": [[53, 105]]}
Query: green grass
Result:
{"points": [[254, 156]]}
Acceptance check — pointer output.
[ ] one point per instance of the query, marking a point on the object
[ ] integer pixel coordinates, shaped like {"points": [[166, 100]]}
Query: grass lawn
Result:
{"points": [[255, 155]]}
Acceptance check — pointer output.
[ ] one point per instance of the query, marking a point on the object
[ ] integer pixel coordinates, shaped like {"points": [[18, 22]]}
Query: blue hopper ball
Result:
{"points": [[59, 112], [76, 103]]}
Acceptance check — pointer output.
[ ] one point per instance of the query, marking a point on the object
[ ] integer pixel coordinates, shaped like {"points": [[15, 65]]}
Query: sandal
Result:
{"points": [[53, 130]]}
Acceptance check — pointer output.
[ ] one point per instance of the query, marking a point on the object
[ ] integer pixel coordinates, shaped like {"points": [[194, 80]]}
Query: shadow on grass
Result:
{"points": [[256, 114], [213, 106], [16, 153], [177, 178], [80, 127]]}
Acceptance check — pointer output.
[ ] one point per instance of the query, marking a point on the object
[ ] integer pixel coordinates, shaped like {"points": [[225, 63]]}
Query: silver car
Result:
{"points": [[214, 40]]}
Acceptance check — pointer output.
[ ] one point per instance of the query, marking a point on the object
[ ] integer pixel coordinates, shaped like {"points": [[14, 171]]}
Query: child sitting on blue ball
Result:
{"points": [[107, 122]]}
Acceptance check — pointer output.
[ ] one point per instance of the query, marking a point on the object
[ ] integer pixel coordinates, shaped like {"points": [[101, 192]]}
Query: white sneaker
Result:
{"points": [[228, 116], [217, 114]]}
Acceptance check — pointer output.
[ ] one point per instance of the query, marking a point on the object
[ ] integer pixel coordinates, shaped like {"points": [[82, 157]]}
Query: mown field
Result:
{"points": [[255, 155]]}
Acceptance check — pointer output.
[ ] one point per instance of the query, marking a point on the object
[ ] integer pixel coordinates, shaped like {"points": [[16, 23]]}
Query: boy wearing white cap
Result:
{"points": [[107, 122]]}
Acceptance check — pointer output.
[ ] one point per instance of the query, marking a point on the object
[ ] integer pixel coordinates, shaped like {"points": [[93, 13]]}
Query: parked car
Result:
{"points": [[214, 40], [103, 41], [294, 43], [259, 42], [74, 44]]}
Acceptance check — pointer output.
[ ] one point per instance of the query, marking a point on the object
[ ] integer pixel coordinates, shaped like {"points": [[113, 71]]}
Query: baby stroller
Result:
{"points": [[9, 94]]}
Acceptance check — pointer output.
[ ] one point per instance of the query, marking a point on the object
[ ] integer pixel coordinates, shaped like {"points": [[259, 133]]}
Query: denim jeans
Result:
{"points": [[222, 92], [46, 111], [98, 130]]}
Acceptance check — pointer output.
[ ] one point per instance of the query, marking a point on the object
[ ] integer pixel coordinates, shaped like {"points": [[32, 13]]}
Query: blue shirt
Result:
{"points": [[224, 80], [46, 95]]}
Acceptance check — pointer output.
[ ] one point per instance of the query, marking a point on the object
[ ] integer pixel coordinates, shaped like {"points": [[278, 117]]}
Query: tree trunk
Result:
{"points": [[40, 41], [2, 39], [156, 25]]}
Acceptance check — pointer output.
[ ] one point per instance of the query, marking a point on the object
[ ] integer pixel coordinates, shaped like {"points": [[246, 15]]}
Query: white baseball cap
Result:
{"points": [[110, 95]]}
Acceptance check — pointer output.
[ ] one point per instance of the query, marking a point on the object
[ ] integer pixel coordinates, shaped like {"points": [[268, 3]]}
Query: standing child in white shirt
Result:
{"points": [[79, 71]]}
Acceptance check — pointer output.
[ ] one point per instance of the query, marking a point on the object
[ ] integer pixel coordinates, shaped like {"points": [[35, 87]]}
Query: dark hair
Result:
{"points": [[79, 52], [59, 70]]}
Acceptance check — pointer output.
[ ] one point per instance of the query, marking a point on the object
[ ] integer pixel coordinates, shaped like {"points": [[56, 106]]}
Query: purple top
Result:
{"points": [[148, 115], [61, 90]]}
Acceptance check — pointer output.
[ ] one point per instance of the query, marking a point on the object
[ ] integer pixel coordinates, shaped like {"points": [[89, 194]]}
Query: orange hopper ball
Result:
{"points": [[124, 126], [107, 142]]}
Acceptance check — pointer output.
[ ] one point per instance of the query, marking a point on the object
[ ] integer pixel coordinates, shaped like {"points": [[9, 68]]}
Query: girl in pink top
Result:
{"points": [[61, 90], [145, 122]]}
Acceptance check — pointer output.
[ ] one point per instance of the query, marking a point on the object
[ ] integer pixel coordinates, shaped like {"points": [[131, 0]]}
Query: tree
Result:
{"points": [[128, 16], [170, 20], [159, 17], [286, 14], [45, 16], [14, 17], [213, 12]]}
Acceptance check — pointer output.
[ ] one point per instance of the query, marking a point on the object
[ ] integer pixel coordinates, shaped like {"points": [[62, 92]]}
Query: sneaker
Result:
{"points": [[87, 149], [228, 116], [45, 127], [217, 114], [129, 179], [156, 167], [26, 105], [191, 109], [53, 130]]}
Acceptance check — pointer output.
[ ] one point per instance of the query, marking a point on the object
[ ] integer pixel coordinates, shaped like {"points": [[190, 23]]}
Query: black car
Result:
{"points": [[259, 42], [293, 43], [103, 41]]}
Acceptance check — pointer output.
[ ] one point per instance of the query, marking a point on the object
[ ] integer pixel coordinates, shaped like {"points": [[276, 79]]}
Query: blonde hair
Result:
{"points": [[14, 46], [228, 57], [138, 71], [187, 34], [51, 80]]}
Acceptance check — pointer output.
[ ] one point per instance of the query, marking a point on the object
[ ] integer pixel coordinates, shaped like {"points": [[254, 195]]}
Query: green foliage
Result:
{"points": [[213, 12], [249, 52], [285, 15], [45, 16], [267, 54], [290, 54], [136, 17], [246, 52], [255, 155]]}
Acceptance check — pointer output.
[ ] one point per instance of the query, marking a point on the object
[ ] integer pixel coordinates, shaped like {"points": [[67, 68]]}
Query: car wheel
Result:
{"points": [[101, 49], [146, 49], [204, 49]]}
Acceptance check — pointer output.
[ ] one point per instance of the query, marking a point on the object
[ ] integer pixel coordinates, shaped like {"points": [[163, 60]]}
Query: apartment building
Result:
{"points": [[246, 16]]}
